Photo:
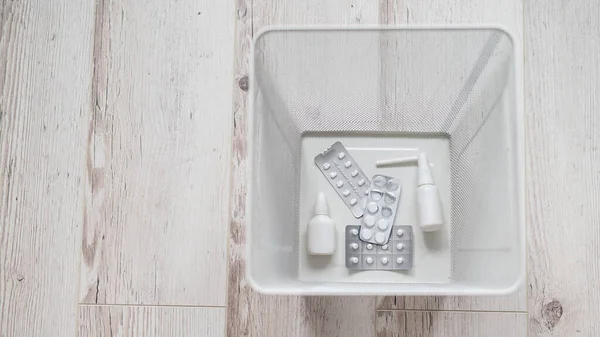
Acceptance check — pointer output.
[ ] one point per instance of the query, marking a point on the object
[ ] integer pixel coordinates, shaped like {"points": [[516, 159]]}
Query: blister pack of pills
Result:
{"points": [[380, 209], [397, 254], [345, 176]]}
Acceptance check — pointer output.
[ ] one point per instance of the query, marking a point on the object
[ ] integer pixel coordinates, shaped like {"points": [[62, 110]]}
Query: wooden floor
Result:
{"points": [[123, 155]]}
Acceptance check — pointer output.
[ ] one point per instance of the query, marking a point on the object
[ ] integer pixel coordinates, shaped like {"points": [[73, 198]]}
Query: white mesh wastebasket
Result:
{"points": [[462, 84]]}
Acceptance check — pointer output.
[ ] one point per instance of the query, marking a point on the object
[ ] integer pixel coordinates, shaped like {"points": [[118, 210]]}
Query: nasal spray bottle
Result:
{"points": [[428, 196]]}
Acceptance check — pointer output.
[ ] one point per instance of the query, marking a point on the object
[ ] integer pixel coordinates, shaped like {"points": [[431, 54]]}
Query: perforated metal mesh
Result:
{"points": [[455, 82]]}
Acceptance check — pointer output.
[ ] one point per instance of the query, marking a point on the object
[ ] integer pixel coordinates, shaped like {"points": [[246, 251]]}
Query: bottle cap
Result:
{"points": [[321, 205], [425, 176]]}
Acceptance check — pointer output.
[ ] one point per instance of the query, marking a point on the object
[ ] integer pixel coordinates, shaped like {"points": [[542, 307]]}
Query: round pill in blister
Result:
{"points": [[384, 260], [369, 260], [386, 211], [372, 207], [369, 246], [348, 164], [346, 193], [341, 155], [326, 166], [369, 221], [354, 173], [332, 175], [354, 245], [382, 224], [393, 184], [379, 181], [354, 231], [339, 183], [366, 234], [384, 247], [389, 198], [399, 260], [399, 246], [353, 201], [400, 232], [376, 195], [361, 182], [380, 237], [354, 260]]}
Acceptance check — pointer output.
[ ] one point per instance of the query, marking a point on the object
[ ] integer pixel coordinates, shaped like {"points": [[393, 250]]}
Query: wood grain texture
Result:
{"points": [[512, 303], [158, 161], [450, 324], [249, 313], [508, 14], [238, 293], [562, 78], [45, 72], [126, 321]]}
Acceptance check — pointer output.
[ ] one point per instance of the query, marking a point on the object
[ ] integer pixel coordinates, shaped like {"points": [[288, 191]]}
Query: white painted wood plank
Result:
{"points": [[450, 324], [563, 163], [272, 316], [45, 72], [505, 13], [127, 321], [414, 12], [248, 313], [155, 229], [513, 302]]}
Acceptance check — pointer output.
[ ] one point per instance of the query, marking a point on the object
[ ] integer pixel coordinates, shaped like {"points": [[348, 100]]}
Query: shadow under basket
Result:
{"points": [[463, 84]]}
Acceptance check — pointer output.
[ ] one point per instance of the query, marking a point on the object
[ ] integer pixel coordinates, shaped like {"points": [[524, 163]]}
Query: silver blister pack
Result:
{"points": [[397, 254], [380, 209], [345, 176]]}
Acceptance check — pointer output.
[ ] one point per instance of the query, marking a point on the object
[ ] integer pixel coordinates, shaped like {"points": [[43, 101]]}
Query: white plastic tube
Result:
{"points": [[396, 161]]}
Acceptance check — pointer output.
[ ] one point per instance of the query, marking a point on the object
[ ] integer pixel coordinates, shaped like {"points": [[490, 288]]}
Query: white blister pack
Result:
{"points": [[397, 254], [345, 176], [380, 209]]}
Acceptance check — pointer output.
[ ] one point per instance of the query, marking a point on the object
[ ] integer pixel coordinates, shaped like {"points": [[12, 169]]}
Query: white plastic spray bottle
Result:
{"points": [[428, 197]]}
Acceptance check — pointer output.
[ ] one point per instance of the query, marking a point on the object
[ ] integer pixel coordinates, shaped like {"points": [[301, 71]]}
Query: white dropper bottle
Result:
{"points": [[321, 229], [428, 196]]}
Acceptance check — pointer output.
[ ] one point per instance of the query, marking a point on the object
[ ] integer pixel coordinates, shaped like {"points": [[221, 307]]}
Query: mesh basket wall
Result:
{"points": [[453, 82]]}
